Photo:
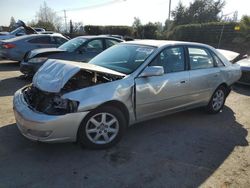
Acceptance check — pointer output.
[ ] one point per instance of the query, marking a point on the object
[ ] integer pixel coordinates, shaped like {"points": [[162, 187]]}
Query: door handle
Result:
{"points": [[183, 82]]}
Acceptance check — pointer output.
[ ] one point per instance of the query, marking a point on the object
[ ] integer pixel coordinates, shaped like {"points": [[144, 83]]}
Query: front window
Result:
{"points": [[94, 46], [72, 44], [124, 58], [171, 59]]}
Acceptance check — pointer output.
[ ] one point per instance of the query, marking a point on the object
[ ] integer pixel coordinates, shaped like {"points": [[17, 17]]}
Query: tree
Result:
{"points": [[12, 25], [150, 30], [180, 14], [137, 27], [78, 27], [168, 25], [245, 30], [48, 18], [199, 11], [136, 23]]}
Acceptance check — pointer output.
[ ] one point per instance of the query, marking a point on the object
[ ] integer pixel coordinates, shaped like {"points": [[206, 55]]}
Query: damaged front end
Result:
{"points": [[54, 79], [48, 103]]}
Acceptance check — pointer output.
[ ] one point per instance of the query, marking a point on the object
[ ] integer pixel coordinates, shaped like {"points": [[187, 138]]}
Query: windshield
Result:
{"points": [[72, 44], [124, 58]]}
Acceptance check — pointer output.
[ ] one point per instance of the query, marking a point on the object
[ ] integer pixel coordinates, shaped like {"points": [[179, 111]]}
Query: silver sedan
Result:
{"points": [[130, 82]]}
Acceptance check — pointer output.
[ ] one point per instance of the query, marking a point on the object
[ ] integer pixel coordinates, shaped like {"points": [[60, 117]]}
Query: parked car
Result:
{"points": [[16, 48], [245, 69], [81, 49], [20, 31], [130, 82]]}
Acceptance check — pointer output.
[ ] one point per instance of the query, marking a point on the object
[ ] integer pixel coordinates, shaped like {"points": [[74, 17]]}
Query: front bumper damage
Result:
{"points": [[46, 128]]}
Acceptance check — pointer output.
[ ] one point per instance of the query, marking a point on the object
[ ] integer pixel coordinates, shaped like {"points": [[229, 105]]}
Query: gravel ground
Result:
{"points": [[187, 149]]}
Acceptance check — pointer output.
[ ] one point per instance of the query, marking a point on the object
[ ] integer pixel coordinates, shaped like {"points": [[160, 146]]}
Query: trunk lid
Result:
{"points": [[40, 51], [229, 55]]}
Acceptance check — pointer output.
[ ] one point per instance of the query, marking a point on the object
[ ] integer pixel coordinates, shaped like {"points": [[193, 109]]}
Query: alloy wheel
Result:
{"points": [[102, 128], [218, 99]]}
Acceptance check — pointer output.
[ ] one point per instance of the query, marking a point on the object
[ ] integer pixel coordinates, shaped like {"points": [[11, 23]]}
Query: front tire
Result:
{"points": [[217, 100], [102, 128]]}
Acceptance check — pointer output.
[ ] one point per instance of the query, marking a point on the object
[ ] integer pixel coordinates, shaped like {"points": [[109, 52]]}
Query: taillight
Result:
{"points": [[8, 45]]}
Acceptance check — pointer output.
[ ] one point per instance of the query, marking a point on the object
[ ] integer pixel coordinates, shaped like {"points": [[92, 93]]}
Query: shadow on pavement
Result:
{"points": [[180, 150], [10, 85], [9, 66]]}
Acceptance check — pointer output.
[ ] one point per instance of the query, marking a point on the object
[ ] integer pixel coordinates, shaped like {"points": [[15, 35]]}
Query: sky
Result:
{"points": [[105, 12]]}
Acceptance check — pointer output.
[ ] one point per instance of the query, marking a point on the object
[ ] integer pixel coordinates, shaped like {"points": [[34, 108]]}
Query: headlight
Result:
{"points": [[38, 60], [65, 105]]}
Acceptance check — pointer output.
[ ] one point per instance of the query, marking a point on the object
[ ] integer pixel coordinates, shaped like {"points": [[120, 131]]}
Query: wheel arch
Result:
{"points": [[226, 86], [119, 105]]}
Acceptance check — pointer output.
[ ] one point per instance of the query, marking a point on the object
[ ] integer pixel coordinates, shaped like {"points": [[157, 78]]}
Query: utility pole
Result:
{"points": [[223, 26], [65, 19], [169, 10]]}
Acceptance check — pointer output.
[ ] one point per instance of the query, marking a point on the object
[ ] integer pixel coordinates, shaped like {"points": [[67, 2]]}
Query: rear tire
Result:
{"points": [[102, 128], [217, 100]]}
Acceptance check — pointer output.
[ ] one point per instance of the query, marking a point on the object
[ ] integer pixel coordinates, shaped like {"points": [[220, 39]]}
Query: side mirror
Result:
{"points": [[152, 71]]}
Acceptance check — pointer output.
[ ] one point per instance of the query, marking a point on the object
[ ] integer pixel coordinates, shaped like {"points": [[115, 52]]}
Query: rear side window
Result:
{"points": [[217, 61], [41, 40], [200, 58], [110, 42], [60, 40]]}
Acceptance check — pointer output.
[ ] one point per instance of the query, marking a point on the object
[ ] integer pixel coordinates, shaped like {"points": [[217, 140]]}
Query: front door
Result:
{"points": [[159, 94]]}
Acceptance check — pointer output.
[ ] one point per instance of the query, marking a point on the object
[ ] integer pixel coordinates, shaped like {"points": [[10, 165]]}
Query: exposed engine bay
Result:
{"points": [[85, 78], [53, 103]]}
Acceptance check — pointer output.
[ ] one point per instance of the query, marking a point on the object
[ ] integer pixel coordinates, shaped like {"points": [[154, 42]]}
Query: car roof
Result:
{"points": [[160, 43], [98, 37], [31, 36]]}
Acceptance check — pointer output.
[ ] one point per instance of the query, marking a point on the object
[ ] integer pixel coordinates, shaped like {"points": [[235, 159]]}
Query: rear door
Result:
{"points": [[159, 94], [204, 74]]}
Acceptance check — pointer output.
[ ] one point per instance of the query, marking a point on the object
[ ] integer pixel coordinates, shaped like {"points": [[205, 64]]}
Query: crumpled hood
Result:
{"points": [[54, 74], [43, 50]]}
